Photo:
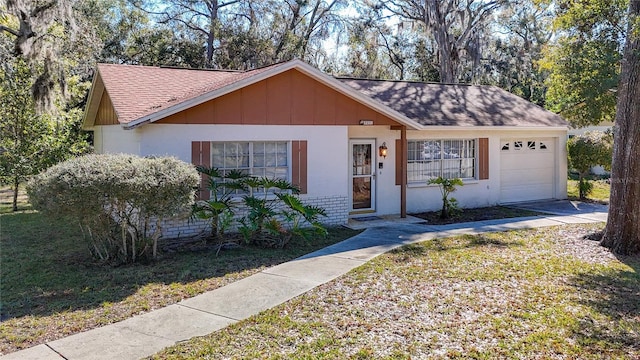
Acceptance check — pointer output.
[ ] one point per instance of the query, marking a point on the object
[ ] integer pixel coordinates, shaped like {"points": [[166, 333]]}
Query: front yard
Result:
{"points": [[600, 193], [532, 294], [543, 293], [51, 289]]}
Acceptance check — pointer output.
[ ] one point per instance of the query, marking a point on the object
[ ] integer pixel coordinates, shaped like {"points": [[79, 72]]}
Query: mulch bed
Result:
{"points": [[476, 214]]}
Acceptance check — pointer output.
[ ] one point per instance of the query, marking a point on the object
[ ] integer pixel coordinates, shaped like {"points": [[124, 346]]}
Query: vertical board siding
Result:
{"points": [[226, 109], [279, 100], [483, 158], [106, 114], [201, 155], [254, 104], [324, 114], [290, 98], [200, 114], [299, 164], [303, 99]]}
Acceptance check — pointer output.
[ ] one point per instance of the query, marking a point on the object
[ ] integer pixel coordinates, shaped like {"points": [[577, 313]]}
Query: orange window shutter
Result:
{"points": [[201, 155], [483, 158], [299, 165]]}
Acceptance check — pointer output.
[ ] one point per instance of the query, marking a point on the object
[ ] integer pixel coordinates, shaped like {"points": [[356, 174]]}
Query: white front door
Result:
{"points": [[363, 175]]}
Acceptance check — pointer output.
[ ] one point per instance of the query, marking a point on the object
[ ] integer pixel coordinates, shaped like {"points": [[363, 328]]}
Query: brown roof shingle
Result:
{"points": [[138, 91], [456, 105]]}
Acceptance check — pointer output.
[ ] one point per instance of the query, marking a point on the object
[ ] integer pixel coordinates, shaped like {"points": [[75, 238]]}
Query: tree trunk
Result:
{"points": [[211, 36], [622, 233], [435, 20], [16, 187]]}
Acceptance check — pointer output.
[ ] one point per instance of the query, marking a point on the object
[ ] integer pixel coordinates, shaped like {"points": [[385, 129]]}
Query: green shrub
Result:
{"points": [[273, 214], [586, 151], [447, 186], [278, 214], [119, 201], [219, 210]]}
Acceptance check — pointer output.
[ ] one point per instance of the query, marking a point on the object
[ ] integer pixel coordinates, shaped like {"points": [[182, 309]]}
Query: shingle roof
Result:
{"points": [[140, 91], [137, 91], [456, 105]]}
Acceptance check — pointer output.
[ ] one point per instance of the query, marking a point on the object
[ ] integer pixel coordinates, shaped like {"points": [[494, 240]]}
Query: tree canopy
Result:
{"points": [[584, 61]]}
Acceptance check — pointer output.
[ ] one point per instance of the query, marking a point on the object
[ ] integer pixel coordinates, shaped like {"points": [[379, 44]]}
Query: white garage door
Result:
{"points": [[527, 169]]}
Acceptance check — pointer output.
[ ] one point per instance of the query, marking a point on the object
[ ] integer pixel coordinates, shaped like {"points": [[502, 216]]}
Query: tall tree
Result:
{"points": [[203, 17], [454, 25], [306, 22], [622, 232], [584, 63], [511, 59], [39, 28], [30, 142]]}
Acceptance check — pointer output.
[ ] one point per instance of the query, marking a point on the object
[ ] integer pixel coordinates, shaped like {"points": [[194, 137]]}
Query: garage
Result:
{"points": [[527, 169]]}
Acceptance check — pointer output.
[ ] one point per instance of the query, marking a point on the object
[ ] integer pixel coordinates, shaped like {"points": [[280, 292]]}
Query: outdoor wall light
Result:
{"points": [[382, 150]]}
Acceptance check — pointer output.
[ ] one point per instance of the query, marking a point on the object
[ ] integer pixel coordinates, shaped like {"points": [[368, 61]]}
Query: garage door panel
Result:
{"points": [[526, 193], [527, 173], [528, 161], [516, 177]]}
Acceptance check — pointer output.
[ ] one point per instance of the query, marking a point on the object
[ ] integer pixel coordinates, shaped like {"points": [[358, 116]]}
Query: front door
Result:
{"points": [[363, 175]]}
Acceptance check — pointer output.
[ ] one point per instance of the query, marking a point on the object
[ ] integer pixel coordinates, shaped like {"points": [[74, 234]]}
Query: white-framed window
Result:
{"points": [[449, 158], [268, 159]]}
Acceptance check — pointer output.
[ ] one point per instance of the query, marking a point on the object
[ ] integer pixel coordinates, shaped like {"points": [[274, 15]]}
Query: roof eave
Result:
{"points": [[293, 64], [496, 127]]}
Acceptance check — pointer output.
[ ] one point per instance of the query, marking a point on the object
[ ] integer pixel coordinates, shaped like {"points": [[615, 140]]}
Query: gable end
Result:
{"points": [[106, 114], [288, 98]]}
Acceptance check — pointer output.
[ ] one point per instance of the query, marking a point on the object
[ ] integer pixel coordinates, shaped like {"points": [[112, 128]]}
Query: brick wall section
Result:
{"points": [[336, 207]]}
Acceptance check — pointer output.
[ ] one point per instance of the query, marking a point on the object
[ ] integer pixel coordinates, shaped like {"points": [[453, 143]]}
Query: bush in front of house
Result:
{"points": [[447, 186], [277, 215], [271, 215], [585, 151], [219, 209], [119, 201]]}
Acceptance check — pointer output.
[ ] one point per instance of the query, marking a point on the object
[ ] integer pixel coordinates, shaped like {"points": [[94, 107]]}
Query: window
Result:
{"points": [[261, 159], [524, 145], [450, 159], [517, 145]]}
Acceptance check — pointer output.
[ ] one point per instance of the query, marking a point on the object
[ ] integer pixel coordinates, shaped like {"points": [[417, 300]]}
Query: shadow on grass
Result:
{"points": [[612, 294], [455, 243], [47, 268]]}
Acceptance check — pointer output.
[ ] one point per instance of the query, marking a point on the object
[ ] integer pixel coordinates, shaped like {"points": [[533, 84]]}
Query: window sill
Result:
{"points": [[424, 184]]}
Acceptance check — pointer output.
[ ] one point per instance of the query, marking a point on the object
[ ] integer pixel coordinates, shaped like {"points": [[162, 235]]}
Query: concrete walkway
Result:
{"points": [[149, 333]]}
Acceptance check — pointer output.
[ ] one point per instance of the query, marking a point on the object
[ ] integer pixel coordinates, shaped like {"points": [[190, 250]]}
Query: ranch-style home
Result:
{"points": [[355, 147]]}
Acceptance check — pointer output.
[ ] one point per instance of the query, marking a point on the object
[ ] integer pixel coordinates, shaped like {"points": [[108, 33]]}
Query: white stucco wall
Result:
{"points": [[328, 158], [326, 147], [112, 139], [475, 193]]}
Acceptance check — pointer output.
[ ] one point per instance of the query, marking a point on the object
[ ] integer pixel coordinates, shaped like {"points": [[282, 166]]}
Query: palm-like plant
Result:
{"points": [[219, 208], [447, 186]]}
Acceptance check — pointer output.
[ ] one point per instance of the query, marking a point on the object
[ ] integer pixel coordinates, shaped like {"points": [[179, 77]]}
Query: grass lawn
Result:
{"points": [[600, 193], [6, 199], [531, 294], [51, 289]]}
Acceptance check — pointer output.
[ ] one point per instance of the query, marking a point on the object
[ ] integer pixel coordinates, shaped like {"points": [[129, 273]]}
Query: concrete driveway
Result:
{"points": [[562, 207]]}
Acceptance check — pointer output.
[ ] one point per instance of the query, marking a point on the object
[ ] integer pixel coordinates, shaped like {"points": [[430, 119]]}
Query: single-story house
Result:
{"points": [[353, 146]]}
